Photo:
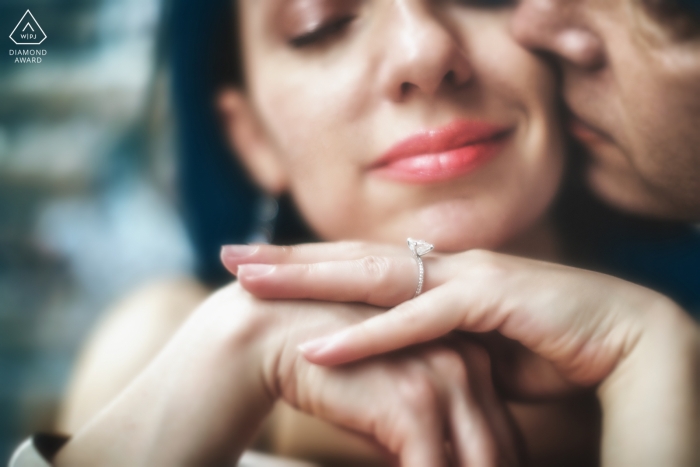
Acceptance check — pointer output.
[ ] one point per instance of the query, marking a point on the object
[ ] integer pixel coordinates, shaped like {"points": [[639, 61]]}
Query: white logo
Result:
{"points": [[28, 31]]}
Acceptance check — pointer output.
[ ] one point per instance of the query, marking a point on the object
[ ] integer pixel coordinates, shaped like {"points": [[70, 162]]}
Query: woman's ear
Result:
{"points": [[251, 143]]}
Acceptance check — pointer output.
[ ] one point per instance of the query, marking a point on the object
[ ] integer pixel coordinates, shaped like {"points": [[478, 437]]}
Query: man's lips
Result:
{"points": [[443, 153], [585, 132]]}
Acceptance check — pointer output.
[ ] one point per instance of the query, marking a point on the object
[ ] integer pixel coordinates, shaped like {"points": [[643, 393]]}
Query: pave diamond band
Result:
{"points": [[419, 248]]}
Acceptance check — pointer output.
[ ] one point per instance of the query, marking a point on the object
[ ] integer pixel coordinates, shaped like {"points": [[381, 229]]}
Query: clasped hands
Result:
{"points": [[572, 329], [542, 329]]}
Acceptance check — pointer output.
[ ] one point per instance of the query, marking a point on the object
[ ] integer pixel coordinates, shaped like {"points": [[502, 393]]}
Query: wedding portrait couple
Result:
{"points": [[438, 233]]}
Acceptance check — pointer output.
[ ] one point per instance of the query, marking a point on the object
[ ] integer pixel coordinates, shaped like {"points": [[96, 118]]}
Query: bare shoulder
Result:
{"points": [[125, 340], [162, 305]]}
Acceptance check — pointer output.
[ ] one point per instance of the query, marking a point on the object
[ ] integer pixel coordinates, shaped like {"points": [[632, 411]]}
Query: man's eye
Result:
{"points": [[322, 33]]}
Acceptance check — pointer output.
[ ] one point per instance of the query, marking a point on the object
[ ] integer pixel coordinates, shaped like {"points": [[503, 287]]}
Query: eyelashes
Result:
{"points": [[487, 3], [323, 33], [331, 29]]}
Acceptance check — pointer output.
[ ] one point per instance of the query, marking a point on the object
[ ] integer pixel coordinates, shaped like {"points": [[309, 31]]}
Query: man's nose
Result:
{"points": [[558, 27]]}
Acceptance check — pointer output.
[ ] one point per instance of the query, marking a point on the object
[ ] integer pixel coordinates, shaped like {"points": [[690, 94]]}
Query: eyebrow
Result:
{"points": [[286, 14]]}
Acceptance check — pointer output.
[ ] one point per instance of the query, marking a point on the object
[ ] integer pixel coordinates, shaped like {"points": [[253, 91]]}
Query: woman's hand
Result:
{"points": [[410, 402], [202, 399], [558, 313], [586, 328]]}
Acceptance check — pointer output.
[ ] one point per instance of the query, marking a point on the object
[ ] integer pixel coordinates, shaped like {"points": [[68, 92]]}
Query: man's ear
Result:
{"points": [[252, 145]]}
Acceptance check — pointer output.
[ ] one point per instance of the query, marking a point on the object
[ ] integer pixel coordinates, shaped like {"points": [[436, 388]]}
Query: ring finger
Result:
{"points": [[375, 280]]}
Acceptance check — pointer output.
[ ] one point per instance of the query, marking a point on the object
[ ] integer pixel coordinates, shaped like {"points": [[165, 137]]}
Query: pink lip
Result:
{"points": [[585, 132], [444, 153]]}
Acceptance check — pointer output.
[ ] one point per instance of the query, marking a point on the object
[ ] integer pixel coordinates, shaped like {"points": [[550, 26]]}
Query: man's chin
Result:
{"points": [[631, 195]]}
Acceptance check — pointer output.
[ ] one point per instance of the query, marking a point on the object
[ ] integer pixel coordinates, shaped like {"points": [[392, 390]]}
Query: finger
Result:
{"points": [[557, 313], [234, 255], [375, 280], [470, 434], [424, 444], [520, 374], [421, 416], [425, 318], [507, 445], [401, 410]]}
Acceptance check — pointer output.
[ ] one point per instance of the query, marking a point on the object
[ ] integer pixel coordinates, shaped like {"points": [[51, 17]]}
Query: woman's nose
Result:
{"points": [[422, 55], [557, 27]]}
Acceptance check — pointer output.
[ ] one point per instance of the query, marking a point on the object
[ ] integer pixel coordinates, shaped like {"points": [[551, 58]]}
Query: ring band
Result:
{"points": [[419, 248]]}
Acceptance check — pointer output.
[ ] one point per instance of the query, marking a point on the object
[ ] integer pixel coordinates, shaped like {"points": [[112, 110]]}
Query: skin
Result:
{"points": [[437, 63], [147, 319], [380, 96], [631, 78], [631, 74], [637, 347], [410, 403]]}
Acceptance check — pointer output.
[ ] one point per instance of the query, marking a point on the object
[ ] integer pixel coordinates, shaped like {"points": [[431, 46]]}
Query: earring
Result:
{"points": [[265, 220]]}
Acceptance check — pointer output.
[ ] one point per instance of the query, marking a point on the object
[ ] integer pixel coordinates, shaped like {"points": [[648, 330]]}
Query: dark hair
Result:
{"points": [[219, 202]]}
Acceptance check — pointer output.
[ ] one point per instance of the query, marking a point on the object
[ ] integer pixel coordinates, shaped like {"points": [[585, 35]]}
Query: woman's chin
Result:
{"points": [[461, 225], [456, 239]]}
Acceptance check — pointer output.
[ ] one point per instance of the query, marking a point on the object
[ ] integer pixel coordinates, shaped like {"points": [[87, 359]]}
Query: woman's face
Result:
{"points": [[389, 119]]}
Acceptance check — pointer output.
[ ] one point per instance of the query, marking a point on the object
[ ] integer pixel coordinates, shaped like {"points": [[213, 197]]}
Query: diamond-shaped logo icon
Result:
{"points": [[28, 31]]}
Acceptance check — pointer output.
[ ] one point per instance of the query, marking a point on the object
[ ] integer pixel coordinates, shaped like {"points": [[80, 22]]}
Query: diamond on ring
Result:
{"points": [[420, 248]]}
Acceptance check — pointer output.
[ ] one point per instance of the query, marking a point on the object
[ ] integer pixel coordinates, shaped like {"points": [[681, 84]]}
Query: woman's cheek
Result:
{"points": [[330, 209]]}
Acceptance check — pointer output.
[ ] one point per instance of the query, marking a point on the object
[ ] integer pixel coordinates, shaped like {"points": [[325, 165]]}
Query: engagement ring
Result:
{"points": [[419, 248]]}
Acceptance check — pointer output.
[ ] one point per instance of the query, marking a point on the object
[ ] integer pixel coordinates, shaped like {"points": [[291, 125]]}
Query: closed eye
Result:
{"points": [[322, 33], [487, 3]]}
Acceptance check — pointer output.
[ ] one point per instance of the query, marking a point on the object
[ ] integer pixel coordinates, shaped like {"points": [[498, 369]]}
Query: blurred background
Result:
{"points": [[87, 175]]}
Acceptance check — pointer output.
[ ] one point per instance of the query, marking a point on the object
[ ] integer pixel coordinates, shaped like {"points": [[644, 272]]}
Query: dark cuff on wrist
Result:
{"points": [[38, 451], [48, 445]]}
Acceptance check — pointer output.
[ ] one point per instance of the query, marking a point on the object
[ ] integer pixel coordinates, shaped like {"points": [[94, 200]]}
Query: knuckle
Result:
{"points": [[485, 265], [386, 286], [417, 393], [376, 267], [479, 258], [450, 365]]}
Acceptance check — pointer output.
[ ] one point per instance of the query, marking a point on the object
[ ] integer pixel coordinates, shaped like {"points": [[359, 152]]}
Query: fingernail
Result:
{"points": [[237, 252], [253, 271]]}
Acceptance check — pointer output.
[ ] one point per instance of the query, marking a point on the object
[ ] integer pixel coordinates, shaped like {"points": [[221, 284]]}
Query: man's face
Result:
{"points": [[631, 78]]}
